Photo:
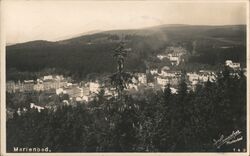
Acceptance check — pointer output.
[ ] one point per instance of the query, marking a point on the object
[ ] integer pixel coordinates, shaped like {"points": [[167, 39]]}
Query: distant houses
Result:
{"points": [[153, 71], [162, 56], [233, 65], [46, 83], [174, 54], [173, 77], [168, 77], [200, 77], [87, 90], [142, 79], [94, 87], [38, 108], [175, 58]]}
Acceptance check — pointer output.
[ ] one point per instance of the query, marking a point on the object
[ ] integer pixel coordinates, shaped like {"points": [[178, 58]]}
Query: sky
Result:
{"points": [[56, 20]]}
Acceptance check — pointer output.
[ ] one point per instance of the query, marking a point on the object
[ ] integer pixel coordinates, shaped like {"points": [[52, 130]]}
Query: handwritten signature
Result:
{"points": [[228, 140]]}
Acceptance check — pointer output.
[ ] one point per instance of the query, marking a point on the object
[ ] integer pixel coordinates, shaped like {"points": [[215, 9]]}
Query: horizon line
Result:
{"points": [[68, 37]]}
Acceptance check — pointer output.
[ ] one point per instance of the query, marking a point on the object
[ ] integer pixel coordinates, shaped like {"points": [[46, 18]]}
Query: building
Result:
{"points": [[173, 90], [94, 87], [142, 78], [39, 108], [39, 87], [205, 75], [233, 65], [174, 58], [110, 92], [39, 81], [54, 84], [168, 76], [28, 85], [59, 91], [153, 71], [49, 84], [201, 77], [193, 78], [175, 54], [73, 91], [132, 86], [162, 56], [48, 77], [59, 77], [166, 72]]}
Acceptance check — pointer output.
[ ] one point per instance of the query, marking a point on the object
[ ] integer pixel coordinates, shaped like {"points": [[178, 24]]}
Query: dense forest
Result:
{"points": [[80, 56], [153, 122]]}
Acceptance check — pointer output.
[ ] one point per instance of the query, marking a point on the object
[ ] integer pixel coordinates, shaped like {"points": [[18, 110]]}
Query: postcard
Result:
{"points": [[139, 77]]}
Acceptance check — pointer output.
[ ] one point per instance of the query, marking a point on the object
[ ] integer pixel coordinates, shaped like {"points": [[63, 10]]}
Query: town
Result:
{"points": [[86, 91]]}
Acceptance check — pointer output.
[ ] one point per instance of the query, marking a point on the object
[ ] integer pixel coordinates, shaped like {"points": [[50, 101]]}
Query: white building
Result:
{"points": [[94, 87], [153, 71], [28, 81], [232, 64], [39, 81], [202, 76], [39, 108], [48, 77], [85, 98], [173, 90], [134, 80], [59, 91], [59, 77], [69, 84], [205, 75], [170, 73], [174, 58], [142, 78]]}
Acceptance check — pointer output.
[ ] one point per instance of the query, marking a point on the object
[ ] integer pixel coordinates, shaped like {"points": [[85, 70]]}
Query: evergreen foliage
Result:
{"points": [[159, 122]]}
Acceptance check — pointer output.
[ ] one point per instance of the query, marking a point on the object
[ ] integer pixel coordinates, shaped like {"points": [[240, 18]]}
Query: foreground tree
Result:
{"points": [[120, 79]]}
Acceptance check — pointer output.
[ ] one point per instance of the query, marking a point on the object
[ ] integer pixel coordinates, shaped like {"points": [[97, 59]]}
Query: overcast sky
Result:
{"points": [[55, 20]]}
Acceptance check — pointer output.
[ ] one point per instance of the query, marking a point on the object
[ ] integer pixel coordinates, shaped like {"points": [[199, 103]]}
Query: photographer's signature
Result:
{"points": [[231, 139]]}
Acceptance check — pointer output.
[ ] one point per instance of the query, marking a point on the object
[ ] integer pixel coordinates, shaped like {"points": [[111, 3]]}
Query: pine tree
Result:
{"points": [[121, 79]]}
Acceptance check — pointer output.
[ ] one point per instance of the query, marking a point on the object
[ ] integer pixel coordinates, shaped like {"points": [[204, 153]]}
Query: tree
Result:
{"points": [[120, 79], [167, 92]]}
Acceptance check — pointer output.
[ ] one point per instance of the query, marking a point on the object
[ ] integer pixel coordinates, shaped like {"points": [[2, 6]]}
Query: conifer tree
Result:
{"points": [[121, 79]]}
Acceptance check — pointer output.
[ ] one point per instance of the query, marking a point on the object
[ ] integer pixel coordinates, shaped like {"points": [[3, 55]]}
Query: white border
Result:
{"points": [[3, 82], [2, 57]]}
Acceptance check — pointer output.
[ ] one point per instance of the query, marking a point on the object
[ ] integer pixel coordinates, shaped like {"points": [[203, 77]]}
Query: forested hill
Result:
{"points": [[87, 54]]}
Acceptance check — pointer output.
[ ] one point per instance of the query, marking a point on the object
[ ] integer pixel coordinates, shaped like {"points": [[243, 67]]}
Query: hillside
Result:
{"points": [[88, 54]]}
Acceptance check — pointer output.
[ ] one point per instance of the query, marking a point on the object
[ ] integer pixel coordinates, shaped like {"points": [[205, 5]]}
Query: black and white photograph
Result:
{"points": [[109, 76]]}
